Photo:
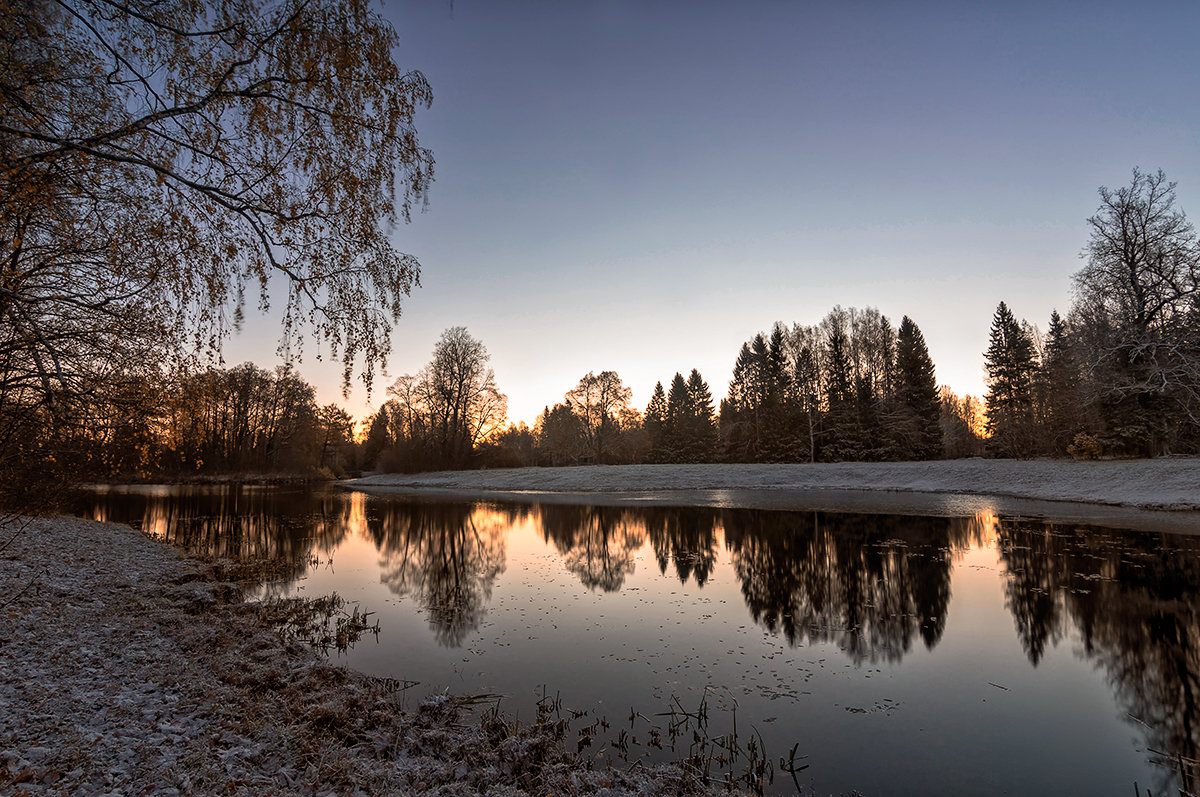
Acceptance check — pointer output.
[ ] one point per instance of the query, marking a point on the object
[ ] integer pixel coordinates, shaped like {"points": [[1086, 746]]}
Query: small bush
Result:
{"points": [[1085, 446]]}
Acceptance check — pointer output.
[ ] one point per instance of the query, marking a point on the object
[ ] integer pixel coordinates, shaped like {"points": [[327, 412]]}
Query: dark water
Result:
{"points": [[902, 654]]}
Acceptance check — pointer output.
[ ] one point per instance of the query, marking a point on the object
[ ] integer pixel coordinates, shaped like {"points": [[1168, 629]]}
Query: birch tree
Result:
{"points": [[164, 164]]}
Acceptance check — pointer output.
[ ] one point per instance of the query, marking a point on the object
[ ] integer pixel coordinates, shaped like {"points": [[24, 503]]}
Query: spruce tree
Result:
{"points": [[701, 442], [1010, 363], [806, 380], [739, 385], [739, 411], [919, 407], [777, 425], [840, 441], [777, 367], [378, 437], [760, 376], [655, 423], [1057, 389], [678, 412]]}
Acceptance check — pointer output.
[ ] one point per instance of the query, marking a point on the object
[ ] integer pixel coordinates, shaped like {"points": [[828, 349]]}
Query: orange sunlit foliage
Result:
{"points": [[963, 424], [149, 179]]}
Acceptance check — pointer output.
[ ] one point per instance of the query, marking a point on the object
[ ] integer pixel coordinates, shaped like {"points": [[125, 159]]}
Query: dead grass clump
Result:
{"points": [[323, 623]]}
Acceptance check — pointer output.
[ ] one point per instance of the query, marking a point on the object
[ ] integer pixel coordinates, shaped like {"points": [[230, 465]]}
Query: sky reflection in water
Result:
{"points": [[905, 654]]}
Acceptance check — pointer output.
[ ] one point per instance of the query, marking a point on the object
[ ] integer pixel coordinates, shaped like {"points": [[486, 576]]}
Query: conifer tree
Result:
{"points": [[377, 437], [806, 383], [777, 427], [739, 385], [739, 411], [841, 439], [701, 440], [655, 423], [778, 378], [757, 422], [760, 375], [1010, 363], [678, 414], [919, 407], [1057, 388]]}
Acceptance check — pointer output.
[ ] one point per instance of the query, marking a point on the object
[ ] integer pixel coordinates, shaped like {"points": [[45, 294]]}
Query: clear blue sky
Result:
{"points": [[642, 186]]}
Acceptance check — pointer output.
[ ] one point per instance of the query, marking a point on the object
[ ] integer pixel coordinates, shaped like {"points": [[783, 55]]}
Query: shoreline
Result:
{"points": [[129, 666], [1167, 484], [1159, 494]]}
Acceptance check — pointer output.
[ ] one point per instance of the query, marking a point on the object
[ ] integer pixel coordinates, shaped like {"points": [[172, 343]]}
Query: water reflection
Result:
{"points": [[684, 537], [870, 584], [239, 522], [875, 586], [1135, 601], [446, 557], [597, 543]]}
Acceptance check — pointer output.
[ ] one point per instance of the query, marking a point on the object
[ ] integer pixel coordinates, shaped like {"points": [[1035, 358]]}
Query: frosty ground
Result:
{"points": [[127, 668], [1166, 483], [1148, 495]]}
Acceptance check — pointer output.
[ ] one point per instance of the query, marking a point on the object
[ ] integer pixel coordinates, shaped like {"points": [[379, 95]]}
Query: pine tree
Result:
{"points": [[840, 441], [1010, 363], [655, 423], [701, 442], [919, 407], [1057, 389], [777, 425], [678, 414], [739, 411]]}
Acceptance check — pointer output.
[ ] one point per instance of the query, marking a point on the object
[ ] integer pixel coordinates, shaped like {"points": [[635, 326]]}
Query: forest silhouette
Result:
{"points": [[1119, 375]]}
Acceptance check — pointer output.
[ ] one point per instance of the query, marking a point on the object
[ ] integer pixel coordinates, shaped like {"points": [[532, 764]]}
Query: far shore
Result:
{"points": [[1162, 493], [219, 479]]}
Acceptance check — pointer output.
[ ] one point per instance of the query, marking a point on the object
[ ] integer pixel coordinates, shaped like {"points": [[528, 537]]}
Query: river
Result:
{"points": [[895, 654]]}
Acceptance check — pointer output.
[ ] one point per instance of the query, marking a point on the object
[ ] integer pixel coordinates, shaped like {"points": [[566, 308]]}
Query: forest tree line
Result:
{"points": [[205, 421], [1118, 375]]}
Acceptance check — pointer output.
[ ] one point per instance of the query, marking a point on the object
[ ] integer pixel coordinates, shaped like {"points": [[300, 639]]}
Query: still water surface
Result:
{"points": [[904, 654]]}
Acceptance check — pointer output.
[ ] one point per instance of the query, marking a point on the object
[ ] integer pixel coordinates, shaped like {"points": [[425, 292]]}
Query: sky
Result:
{"points": [[643, 186]]}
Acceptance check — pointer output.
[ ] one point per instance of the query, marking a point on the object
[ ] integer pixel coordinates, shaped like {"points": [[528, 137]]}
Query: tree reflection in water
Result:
{"points": [[240, 522], [445, 556], [687, 537], [868, 583], [597, 543], [1135, 601], [871, 584]]}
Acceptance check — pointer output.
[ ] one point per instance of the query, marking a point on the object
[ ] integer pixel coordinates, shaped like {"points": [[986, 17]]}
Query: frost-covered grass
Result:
{"points": [[1165, 483], [128, 668]]}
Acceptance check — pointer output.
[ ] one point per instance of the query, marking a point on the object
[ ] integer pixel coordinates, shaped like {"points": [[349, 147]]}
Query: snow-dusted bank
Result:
{"points": [[126, 668], [1161, 484]]}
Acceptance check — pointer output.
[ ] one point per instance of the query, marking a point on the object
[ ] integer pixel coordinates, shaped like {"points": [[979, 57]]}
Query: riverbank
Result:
{"points": [[1168, 483], [222, 479], [129, 667]]}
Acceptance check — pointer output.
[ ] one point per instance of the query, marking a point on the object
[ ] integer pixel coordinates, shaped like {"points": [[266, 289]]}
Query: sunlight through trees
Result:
{"points": [[163, 166]]}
